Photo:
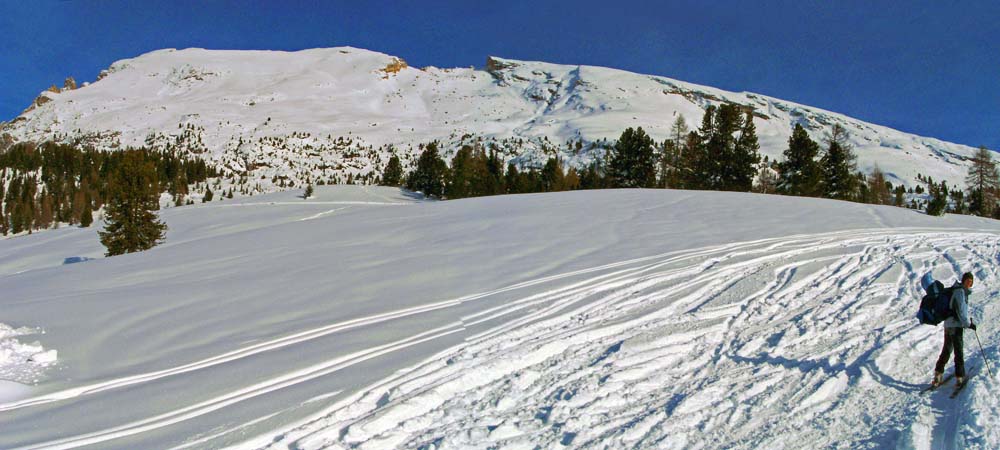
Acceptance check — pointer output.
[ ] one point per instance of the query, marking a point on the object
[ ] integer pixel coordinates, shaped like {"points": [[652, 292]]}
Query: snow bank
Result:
{"points": [[20, 362]]}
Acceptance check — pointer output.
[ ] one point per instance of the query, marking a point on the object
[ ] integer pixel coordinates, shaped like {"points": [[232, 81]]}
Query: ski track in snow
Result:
{"points": [[760, 344], [800, 342]]}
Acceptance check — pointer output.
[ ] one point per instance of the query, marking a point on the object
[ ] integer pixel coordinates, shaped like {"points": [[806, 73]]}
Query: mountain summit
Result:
{"points": [[336, 113]]}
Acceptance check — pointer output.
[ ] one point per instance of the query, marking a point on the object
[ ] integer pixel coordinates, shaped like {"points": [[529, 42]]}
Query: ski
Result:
{"points": [[958, 389], [933, 386]]}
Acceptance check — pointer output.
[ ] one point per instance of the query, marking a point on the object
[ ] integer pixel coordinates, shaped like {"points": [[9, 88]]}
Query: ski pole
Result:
{"points": [[983, 353]]}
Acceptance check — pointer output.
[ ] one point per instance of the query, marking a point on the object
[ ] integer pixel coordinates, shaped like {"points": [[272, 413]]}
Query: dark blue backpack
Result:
{"points": [[935, 306]]}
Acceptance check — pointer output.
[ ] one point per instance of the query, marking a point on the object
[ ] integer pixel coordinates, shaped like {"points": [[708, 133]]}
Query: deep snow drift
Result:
{"points": [[366, 317]]}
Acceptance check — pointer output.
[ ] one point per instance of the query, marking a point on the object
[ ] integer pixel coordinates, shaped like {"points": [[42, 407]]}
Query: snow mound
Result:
{"points": [[21, 362]]}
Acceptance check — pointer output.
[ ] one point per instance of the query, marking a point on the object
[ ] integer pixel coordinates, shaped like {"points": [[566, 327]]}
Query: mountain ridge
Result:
{"points": [[334, 113]]}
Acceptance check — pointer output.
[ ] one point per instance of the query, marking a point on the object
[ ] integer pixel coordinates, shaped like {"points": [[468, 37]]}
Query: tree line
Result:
{"points": [[47, 184], [722, 155]]}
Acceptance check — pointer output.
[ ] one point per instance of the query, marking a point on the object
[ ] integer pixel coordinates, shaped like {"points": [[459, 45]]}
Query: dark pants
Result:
{"points": [[952, 340]]}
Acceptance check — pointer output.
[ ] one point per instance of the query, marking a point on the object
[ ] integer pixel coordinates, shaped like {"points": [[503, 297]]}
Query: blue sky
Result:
{"points": [[924, 67]]}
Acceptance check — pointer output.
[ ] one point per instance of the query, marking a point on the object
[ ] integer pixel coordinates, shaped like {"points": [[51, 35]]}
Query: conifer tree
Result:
{"points": [[308, 192], [430, 174], [983, 184], [130, 223], [958, 202], [899, 196], [494, 166], [720, 148], [208, 195], [552, 176], [799, 173], [939, 198], [511, 179], [87, 216], [742, 165], [393, 173], [632, 161], [693, 161], [459, 177], [838, 166]]}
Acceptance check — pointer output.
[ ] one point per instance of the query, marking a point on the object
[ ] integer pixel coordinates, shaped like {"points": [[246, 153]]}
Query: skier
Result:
{"points": [[953, 327]]}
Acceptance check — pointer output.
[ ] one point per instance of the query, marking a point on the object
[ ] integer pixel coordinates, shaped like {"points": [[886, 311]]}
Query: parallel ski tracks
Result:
{"points": [[622, 300], [815, 282]]}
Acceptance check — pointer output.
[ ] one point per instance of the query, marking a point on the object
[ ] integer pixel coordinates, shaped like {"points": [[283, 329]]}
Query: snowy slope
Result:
{"points": [[365, 317], [327, 113]]}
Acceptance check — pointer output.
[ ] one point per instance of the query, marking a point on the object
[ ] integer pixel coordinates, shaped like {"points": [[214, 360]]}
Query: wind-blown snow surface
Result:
{"points": [[631, 318], [282, 113]]}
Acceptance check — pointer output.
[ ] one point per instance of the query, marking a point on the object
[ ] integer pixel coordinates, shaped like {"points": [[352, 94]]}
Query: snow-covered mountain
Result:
{"points": [[367, 318], [324, 114]]}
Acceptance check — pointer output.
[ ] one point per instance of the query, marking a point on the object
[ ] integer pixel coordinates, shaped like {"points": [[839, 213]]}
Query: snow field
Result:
{"points": [[579, 319], [685, 352]]}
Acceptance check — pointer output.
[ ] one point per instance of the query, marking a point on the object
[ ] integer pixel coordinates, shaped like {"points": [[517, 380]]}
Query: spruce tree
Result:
{"points": [[958, 202], [130, 223], [494, 165], [208, 195], [742, 165], [87, 216], [799, 173], [983, 184], [899, 196], [633, 163], [552, 176], [693, 161], [511, 179], [720, 148], [938, 201], [308, 192], [838, 166], [393, 173], [460, 176], [430, 173]]}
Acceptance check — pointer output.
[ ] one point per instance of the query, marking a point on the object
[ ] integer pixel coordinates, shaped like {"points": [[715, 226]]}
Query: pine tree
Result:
{"points": [[938, 202], [838, 166], [899, 196], [552, 176], [742, 165], [459, 177], [693, 161], [208, 195], [958, 202], [86, 216], [308, 192], [131, 225], [511, 178], [494, 166], [983, 184], [430, 173], [393, 173], [632, 163], [799, 173]]}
